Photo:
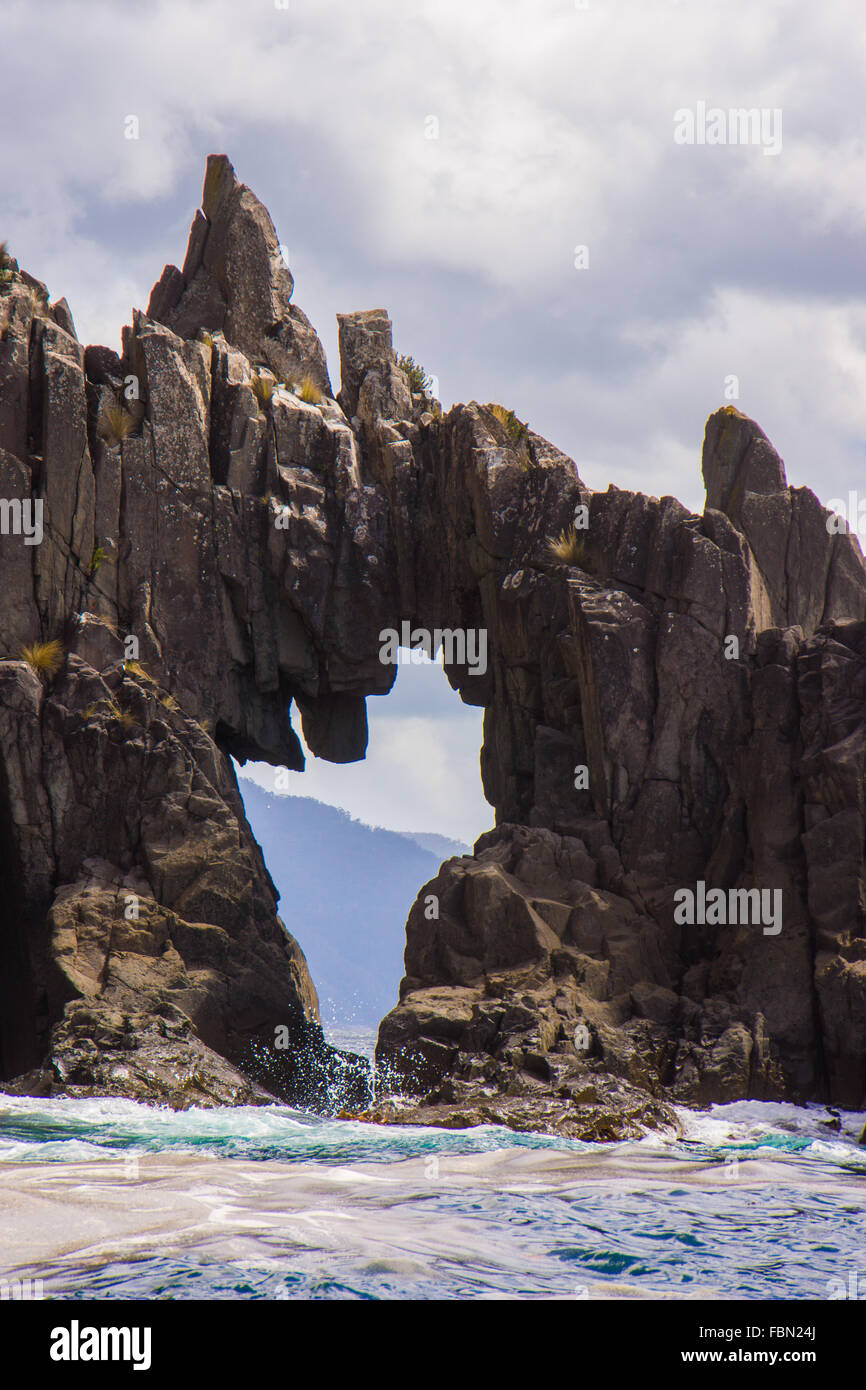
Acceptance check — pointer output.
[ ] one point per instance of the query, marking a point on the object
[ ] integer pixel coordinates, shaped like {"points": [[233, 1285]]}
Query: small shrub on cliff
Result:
{"points": [[568, 548], [96, 559], [114, 423], [7, 264], [309, 392], [415, 374], [37, 302], [517, 431], [45, 658], [515, 428], [263, 389]]}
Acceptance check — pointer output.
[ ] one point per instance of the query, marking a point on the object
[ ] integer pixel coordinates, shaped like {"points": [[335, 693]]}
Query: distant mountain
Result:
{"points": [[345, 893], [437, 844]]}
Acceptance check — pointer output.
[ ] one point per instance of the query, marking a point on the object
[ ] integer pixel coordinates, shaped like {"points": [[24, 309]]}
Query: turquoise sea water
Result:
{"points": [[113, 1199]]}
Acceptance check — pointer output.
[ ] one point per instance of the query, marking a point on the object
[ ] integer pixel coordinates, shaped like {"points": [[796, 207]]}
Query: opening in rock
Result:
{"points": [[349, 846]]}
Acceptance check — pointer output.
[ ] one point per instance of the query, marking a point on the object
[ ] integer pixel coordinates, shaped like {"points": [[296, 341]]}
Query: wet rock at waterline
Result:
{"points": [[671, 700]]}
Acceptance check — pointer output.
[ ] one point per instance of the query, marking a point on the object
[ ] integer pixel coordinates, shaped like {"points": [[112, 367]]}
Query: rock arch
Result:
{"points": [[256, 543]]}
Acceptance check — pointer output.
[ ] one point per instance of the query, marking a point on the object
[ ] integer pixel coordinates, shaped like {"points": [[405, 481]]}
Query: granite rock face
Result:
{"points": [[672, 702]]}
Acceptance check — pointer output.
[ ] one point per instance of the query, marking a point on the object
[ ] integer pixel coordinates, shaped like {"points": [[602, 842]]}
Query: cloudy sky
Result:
{"points": [[445, 160], [421, 770]]}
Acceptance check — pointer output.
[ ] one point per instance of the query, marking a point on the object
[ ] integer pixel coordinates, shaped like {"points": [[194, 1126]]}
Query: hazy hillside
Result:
{"points": [[345, 892], [440, 845]]}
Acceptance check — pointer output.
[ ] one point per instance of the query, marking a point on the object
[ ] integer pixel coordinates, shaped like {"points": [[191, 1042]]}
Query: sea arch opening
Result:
{"points": [[350, 845]]}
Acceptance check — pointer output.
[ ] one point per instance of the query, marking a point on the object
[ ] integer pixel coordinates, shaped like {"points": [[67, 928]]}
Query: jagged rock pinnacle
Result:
{"points": [[235, 280]]}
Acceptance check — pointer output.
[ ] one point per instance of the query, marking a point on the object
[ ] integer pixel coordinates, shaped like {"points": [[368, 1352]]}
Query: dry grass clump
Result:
{"points": [[36, 302], [115, 423], [568, 548], [263, 389], [517, 431], [135, 668], [309, 392], [45, 658]]}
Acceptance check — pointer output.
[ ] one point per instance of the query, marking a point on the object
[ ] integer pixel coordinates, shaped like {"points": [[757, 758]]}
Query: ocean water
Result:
{"points": [[113, 1199], [352, 1038]]}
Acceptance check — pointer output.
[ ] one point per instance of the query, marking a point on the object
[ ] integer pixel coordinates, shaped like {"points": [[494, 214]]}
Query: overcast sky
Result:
{"points": [[554, 128]]}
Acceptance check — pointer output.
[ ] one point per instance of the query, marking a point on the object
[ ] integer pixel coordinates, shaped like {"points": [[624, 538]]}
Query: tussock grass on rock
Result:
{"points": [[115, 423], [568, 548], [263, 389], [309, 392], [45, 658]]}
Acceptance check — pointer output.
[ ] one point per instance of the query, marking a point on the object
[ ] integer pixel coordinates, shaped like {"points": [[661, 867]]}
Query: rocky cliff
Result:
{"points": [[672, 702]]}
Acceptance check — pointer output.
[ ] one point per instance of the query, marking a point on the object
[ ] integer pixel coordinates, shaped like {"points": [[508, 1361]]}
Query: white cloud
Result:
{"points": [[421, 772]]}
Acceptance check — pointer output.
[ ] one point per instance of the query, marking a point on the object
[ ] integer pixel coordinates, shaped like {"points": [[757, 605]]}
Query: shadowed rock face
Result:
{"points": [[707, 672]]}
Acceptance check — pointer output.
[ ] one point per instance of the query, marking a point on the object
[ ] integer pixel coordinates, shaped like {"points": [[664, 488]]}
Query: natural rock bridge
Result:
{"points": [[207, 495]]}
